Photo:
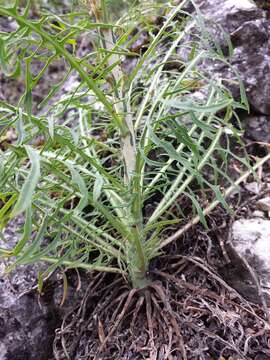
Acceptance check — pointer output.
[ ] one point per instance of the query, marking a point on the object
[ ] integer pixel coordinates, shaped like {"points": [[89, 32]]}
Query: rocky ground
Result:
{"points": [[28, 320]]}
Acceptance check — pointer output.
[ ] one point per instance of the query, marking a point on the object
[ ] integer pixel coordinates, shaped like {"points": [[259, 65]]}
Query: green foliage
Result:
{"points": [[113, 142]]}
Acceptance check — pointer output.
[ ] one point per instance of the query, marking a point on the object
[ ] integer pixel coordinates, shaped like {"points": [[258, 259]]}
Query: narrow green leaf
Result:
{"points": [[78, 180], [4, 211], [28, 90], [220, 198], [2, 169], [191, 106], [27, 191], [97, 187], [3, 56], [26, 233], [40, 282], [181, 133], [206, 128], [26, 256], [20, 128], [51, 126], [198, 208]]}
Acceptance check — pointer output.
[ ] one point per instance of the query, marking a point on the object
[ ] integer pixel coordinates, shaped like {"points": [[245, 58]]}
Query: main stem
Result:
{"points": [[136, 258]]}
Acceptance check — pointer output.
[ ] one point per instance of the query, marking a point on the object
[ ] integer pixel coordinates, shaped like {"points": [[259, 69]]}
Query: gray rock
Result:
{"points": [[251, 240], [249, 29], [28, 320], [264, 204], [257, 128], [253, 187], [258, 213]]}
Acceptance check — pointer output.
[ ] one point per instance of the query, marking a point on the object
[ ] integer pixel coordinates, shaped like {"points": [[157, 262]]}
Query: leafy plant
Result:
{"points": [[105, 154]]}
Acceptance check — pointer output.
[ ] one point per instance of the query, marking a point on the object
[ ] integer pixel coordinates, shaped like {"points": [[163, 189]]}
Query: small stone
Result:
{"points": [[3, 351], [258, 213], [253, 187], [240, 4], [264, 204], [258, 128]]}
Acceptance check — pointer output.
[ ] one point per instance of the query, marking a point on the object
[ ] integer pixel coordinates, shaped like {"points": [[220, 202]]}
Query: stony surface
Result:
{"points": [[258, 128], [251, 240], [264, 204], [249, 29], [27, 319]]}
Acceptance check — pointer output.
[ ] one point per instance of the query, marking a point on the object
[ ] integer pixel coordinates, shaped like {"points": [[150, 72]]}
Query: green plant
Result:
{"points": [[112, 144]]}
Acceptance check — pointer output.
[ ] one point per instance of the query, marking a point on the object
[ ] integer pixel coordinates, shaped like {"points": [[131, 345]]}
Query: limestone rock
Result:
{"points": [[251, 240], [264, 204], [258, 128], [249, 29]]}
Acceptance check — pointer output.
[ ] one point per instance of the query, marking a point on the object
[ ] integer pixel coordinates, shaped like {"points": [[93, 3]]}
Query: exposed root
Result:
{"points": [[152, 302], [187, 313], [136, 312], [128, 302], [153, 351]]}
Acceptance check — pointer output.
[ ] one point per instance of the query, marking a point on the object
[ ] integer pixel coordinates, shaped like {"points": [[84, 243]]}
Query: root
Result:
{"points": [[153, 351], [119, 319], [187, 317], [170, 318], [136, 312]]}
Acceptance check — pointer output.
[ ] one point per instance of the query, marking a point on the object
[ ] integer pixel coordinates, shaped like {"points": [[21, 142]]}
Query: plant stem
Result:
{"points": [[136, 258]]}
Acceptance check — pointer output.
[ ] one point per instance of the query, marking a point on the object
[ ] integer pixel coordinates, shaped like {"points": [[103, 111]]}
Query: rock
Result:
{"points": [[257, 128], [264, 204], [249, 29], [253, 187], [27, 319], [258, 213], [251, 240], [262, 356], [26, 331], [263, 4]]}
